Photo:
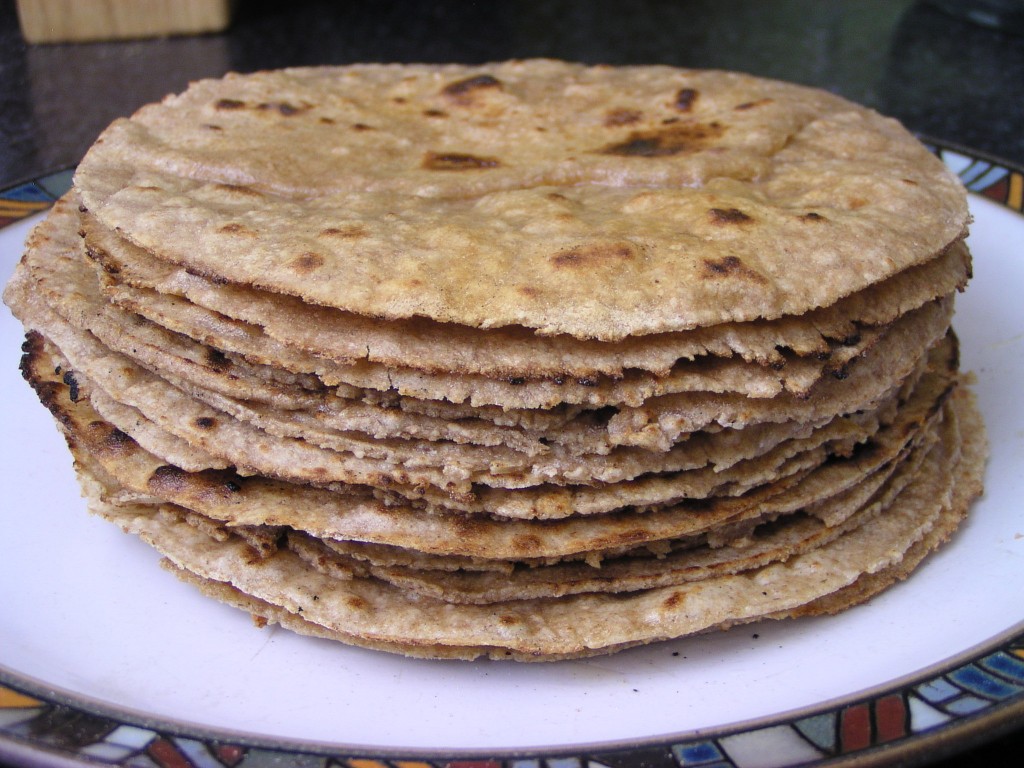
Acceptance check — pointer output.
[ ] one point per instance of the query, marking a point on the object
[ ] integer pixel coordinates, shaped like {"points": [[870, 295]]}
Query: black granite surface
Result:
{"points": [[942, 75]]}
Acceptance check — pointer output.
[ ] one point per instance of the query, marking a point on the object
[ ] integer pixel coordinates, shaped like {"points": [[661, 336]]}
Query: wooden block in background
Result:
{"points": [[61, 21]]}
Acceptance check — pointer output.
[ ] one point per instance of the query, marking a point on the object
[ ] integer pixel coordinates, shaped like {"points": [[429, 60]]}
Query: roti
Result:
{"points": [[580, 624], [727, 206], [528, 360], [141, 282]]}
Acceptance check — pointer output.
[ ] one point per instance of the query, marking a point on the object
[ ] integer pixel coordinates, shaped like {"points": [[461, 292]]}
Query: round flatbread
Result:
{"points": [[590, 201]]}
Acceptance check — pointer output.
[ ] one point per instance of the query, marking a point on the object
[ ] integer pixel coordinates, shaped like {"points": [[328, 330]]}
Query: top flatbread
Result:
{"points": [[590, 201]]}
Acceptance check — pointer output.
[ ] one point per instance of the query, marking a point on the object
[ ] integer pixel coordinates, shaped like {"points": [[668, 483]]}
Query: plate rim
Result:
{"points": [[25, 700]]}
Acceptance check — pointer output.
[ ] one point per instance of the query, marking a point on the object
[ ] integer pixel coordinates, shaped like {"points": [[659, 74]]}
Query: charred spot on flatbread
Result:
{"points": [[684, 99], [674, 139], [458, 161], [591, 255], [464, 92]]}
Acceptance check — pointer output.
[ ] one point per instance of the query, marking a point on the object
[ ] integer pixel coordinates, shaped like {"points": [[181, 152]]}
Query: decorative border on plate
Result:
{"points": [[989, 686], [980, 687], [985, 176], [31, 197]]}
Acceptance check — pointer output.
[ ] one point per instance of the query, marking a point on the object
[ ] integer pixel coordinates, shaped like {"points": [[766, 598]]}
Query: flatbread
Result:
{"points": [[354, 515], [527, 360], [583, 624], [746, 195], [139, 281], [60, 276]]}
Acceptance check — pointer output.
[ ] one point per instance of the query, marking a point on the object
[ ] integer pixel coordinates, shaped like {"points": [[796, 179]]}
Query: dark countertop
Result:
{"points": [[940, 75], [943, 76]]}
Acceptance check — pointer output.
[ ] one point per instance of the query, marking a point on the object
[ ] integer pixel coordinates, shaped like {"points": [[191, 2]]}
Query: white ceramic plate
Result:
{"points": [[103, 655]]}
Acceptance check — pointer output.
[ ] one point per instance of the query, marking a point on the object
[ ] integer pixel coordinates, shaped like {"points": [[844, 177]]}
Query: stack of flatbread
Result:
{"points": [[530, 360]]}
